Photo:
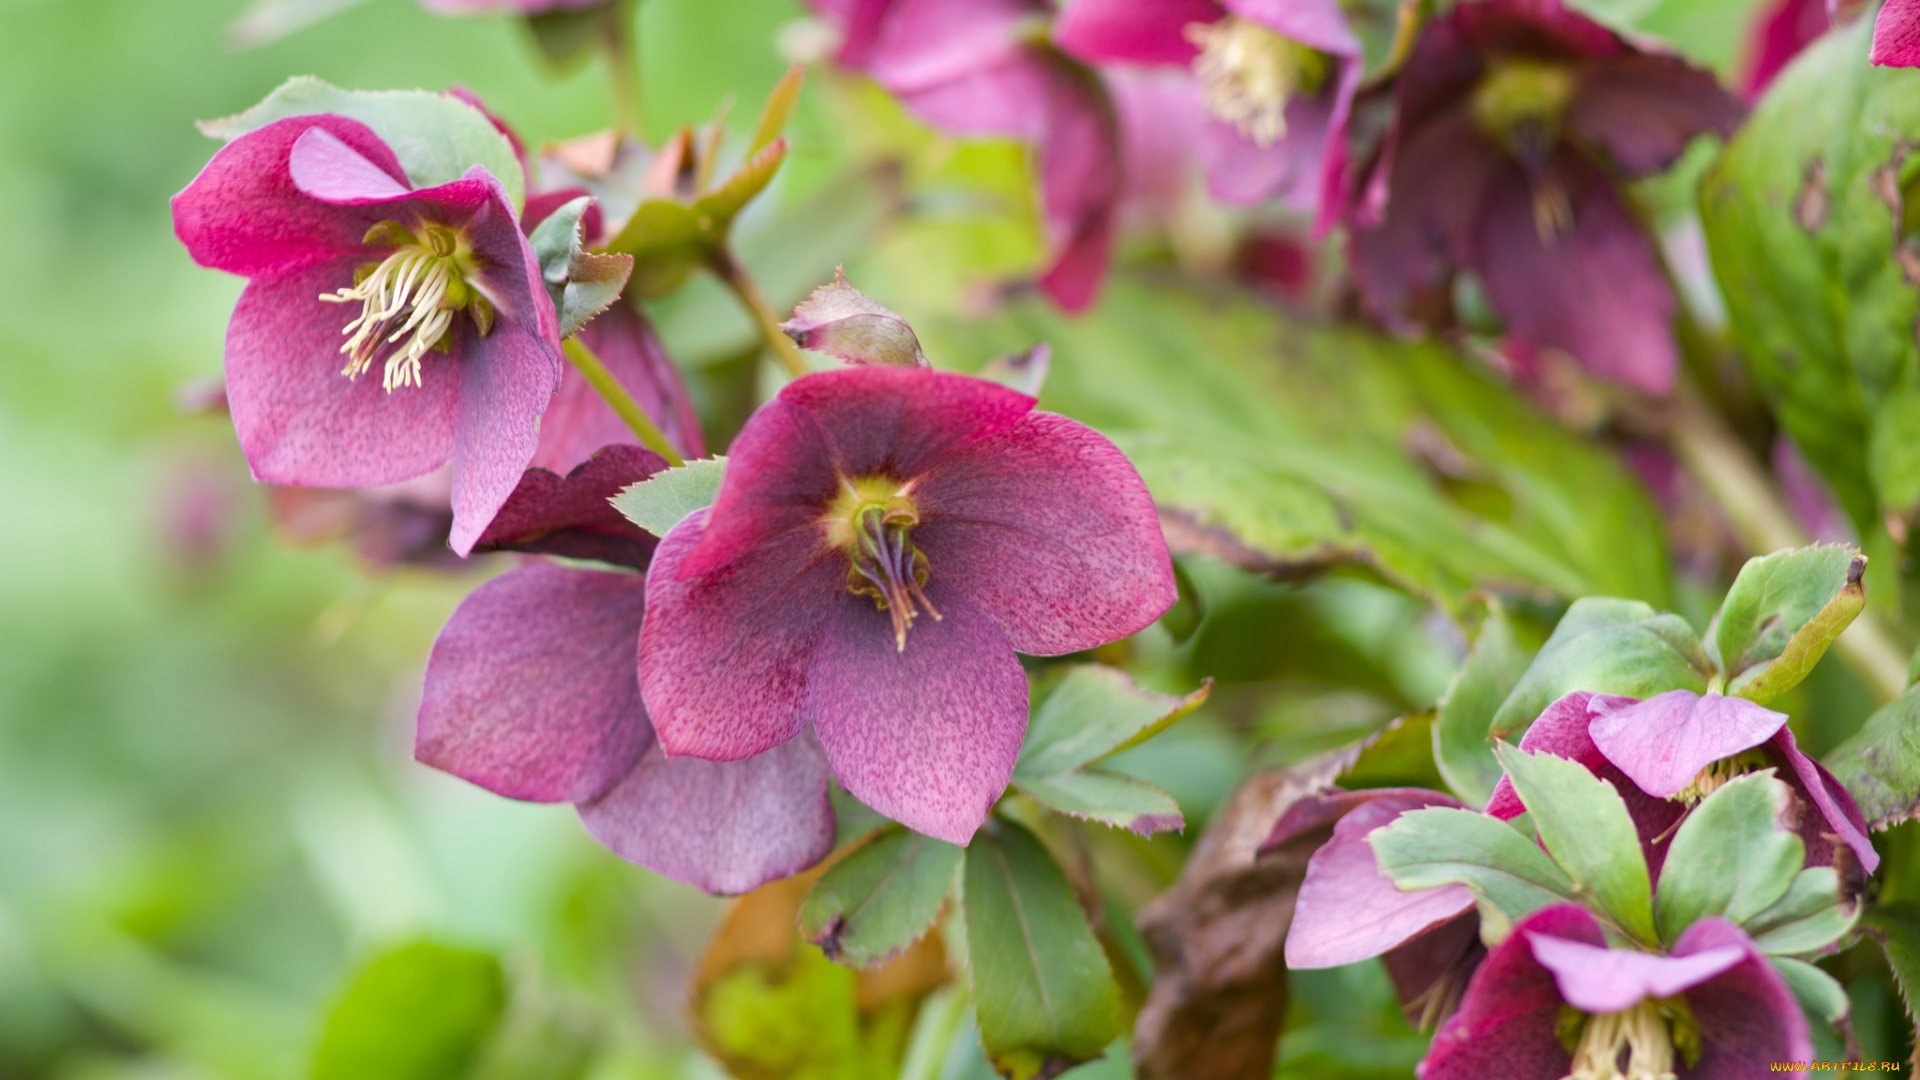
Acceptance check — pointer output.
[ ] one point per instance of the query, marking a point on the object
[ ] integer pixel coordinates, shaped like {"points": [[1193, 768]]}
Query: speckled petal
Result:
{"points": [[506, 380], [1662, 743], [1896, 35], [1596, 979], [1505, 1026]]}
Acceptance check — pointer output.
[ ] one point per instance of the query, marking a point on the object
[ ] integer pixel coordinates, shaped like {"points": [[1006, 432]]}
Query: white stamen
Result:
{"points": [[1641, 1033], [1247, 72], [410, 278]]}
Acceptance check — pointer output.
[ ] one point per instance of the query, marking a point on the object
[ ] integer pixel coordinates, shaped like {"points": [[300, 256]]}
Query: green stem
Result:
{"points": [[619, 400], [623, 69], [1736, 483], [736, 278]]}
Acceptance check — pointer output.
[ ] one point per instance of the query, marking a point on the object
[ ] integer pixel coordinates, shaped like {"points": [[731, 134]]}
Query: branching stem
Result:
{"points": [[741, 283]]}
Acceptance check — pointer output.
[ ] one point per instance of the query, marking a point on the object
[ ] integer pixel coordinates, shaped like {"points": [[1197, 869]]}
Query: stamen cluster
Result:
{"points": [[414, 293], [1248, 72]]}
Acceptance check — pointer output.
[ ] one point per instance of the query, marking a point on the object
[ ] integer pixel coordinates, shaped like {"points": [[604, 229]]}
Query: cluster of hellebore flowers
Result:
{"points": [[885, 538]]}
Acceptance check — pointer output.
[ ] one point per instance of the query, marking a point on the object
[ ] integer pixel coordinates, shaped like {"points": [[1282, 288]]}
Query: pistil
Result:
{"points": [[413, 293], [1248, 73], [872, 521]]}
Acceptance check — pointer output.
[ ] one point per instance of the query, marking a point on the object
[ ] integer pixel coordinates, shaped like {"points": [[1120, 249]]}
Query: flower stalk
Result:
{"points": [[747, 291], [623, 70], [621, 402]]}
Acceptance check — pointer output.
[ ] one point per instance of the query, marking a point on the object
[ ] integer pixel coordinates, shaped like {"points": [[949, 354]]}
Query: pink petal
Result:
{"points": [[325, 168], [300, 421], [924, 43], [1318, 24], [531, 690], [726, 827], [1748, 1016], [1560, 730], [573, 515], [1130, 31], [510, 272], [1347, 909], [859, 22], [1243, 173], [1596, 979], [506, 380], [1160, 120], [785, 466], [1506, 1023], [1545, 28], [244, 214], [1596, 291], [578, 422], [1662, 743], [1896, 35], [1048, 529], [725, 657], [1643, 110], [1839, 817], [1777, 36], [1080, 173], [928, 735]]}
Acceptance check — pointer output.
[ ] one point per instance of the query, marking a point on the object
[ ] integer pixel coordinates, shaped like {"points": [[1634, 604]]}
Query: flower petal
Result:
{"points": [[244, 214], [726, 827], [1643, 110], [1594, 291], [1080, 173], [923, 44], [1048, 529], [1896, 35], [326, 168], [1662, 743], [506, 379], [785, 467], [531, 690], [725, 657], [1347, 910], [1132, 32], [927, 735], [1596, 979], [1747, 1015], [1839, 817], [1506, 1023], [300, 421], [573, 515], [579, 422], [1318, 24]]}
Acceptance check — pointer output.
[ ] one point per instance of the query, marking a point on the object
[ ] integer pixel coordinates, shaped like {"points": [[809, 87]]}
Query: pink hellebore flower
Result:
{"points": [[1275, 77], [884, 540], [983, 67], [350, 267], [1514, 122], [1896, 35], [531, 692], [1552, 1001]]}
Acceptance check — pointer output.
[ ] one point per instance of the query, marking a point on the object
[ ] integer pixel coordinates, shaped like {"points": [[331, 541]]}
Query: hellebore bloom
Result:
{"points": [[1276, 79], [1896, 35], [1348, 911], [1681, 746], [982, 67], [349, 267], [531, 692], [885, 538], [1553, 1002], [1514, 121]]}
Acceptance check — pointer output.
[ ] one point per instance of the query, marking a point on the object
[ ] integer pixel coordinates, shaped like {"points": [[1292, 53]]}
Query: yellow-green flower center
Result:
{"points": [[872, 520], [1248, 73], [1641, 1043], [1718, 773], [414, 293], [1519, 103]]}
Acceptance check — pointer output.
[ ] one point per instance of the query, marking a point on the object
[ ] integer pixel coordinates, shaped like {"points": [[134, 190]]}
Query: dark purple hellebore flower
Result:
{"points": [[531, 692], [1896, 35], [1553, 1002], [1681, 746], [884, 540], [349, 266], [1348, 911], [1515, 120], [983, 67], [1276, 79]]}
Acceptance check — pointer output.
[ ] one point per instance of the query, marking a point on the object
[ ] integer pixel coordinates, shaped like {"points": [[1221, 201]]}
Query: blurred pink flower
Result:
{"points": [[1896, 35], [1779, 31], [884, 540]]}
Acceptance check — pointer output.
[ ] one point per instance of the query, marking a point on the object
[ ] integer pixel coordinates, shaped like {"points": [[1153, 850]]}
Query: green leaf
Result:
{"points": [[666, 242], [1287, 447], [1042, 990], [662, 500], [437, 138], [1587, 828], [1730, 857], [1492, 669], [880, 898], [1781, 614], [1510, 876], [541, 1037], [1817, 992], [557, 238], [1896, 927], [1398, 755], [716, 210], [797, 1021], [1812, 915], [594, 282], [420, 1012], [1093, 712], [1810, 223], [1880, 765], [1116, 799], [780, 102], [1608, 646]]}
